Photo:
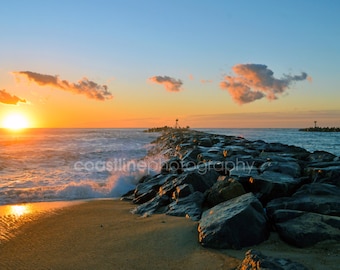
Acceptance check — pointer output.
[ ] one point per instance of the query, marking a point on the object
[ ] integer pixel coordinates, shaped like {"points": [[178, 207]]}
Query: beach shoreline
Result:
{"points": [[103, 234]]}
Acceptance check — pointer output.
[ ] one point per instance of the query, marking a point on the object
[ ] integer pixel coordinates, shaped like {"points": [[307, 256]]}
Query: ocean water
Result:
{"points": [[44, 165], [311, 141]]}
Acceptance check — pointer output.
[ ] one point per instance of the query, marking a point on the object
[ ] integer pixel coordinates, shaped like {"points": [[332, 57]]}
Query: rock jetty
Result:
{"points": [[239, 191], [321, 129]]}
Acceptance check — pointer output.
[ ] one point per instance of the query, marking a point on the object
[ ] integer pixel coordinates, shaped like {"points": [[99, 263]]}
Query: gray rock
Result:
{"points": [[206, 141], [144, 197], [325, 172], [244, 173], [224, 189], [317, 197], [206, 156], [155, 205], [173, 165], [200, 180], [174, 186], [287, 167], [182, 191], [303, 229], [321, 156], [190, 206], [255, 260], [189, 159], [237, 223], [270, 185], [152, 183]]}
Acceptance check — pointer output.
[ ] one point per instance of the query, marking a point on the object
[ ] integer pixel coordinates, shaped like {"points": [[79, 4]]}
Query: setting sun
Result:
{"points": [[15, 121]]}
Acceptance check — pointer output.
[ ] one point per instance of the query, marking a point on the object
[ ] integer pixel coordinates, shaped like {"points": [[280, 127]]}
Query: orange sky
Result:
{"points": [[118, 65]]}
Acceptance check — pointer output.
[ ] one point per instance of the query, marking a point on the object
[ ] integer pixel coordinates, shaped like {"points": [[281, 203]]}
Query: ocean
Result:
{"points": [[45, 165]]}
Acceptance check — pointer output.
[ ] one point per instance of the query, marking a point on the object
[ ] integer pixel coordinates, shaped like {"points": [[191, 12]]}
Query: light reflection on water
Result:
{"points": [[13, 217]]}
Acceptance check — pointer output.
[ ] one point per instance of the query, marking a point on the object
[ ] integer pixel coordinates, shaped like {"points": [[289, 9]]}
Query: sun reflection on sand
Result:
{"points": [[13, 217], [19, 210]]}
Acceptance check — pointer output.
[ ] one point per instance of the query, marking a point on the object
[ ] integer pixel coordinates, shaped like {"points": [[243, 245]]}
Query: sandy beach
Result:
{"points": [[104, 234]]}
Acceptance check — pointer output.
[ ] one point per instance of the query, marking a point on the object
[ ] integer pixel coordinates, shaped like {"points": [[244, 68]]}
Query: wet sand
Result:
{"points": [[103, 234]]}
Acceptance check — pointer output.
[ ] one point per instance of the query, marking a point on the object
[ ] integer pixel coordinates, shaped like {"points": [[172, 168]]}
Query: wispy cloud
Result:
{"points": [[7, 98], [84, 86], [256, 81], [170, 84], [206, 81]]}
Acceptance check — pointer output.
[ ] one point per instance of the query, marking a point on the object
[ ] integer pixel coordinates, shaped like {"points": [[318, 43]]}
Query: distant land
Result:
{"points": [[165, 128], [321, 129]]}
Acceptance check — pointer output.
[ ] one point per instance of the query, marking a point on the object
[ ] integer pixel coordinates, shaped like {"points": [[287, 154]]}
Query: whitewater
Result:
{"points": [[69, 164], [45, 165]]}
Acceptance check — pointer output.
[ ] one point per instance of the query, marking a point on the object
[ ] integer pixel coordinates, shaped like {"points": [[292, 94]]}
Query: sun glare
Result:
{"points": [[19, 210], [15, 121]]}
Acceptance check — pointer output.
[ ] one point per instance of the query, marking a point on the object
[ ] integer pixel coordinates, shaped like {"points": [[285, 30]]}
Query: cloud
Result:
{"points": [[170, 84], [83, 87], [206, 81], [7, 98], [255, 81]]}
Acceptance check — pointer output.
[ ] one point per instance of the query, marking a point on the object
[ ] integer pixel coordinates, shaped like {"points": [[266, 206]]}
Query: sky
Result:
{"points": [[139, 64]]}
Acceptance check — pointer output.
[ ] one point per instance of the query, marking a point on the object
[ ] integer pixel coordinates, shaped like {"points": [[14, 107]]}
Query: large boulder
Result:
{"points": [[321, 156], [255, 260], [285, 167], [190, 158], [173, 165], [182, 191], [152, 183], [200, 180], [316, 197], [304, 229], [190, 206], [270, 185], [324, 172], [205, 141], [224, 189], [237, 223], [158, 204]]}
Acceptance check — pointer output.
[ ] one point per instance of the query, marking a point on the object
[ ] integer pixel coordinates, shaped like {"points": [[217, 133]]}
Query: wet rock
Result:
{"points": [[174, 187], [321, 156], [173, 165], [206, 142], [206, 156], [144, 197], [236, 223], [152, 183], [224, 189], [270, 185], [182, 191], [316, 197], [190, 206], [255, 260], [324, 172], [285, 167], [304, 229], [189, 159], [155, 205], [200, 180], [128, 196]]}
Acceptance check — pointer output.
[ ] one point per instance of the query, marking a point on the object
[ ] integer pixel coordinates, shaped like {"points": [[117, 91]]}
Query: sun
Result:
{"points": [[15, 121]]}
